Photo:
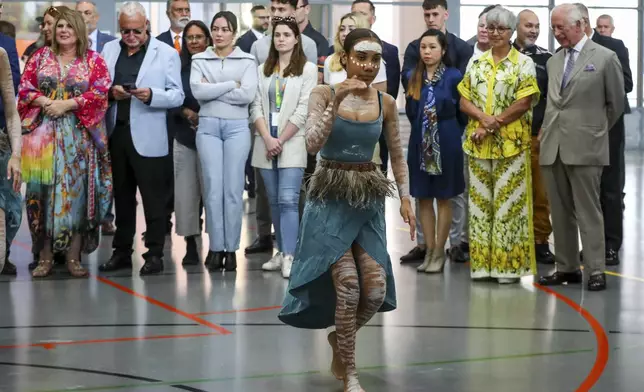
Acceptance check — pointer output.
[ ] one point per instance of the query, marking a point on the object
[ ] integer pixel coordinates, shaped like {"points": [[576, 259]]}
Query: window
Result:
{"points": [[626, 30], [470, 17], [601, 3], [526, 3]]}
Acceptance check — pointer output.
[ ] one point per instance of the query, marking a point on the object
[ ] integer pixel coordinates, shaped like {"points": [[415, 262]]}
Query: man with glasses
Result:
{"points": [[146, 83], [261, 21]]}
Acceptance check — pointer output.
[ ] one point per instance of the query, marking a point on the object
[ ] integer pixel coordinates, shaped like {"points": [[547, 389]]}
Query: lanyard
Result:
{"points": [[279, 92]]}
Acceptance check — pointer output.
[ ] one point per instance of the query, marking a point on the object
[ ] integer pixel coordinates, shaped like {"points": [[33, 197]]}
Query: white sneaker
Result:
{"points": [[287, 263], [275, 263]]}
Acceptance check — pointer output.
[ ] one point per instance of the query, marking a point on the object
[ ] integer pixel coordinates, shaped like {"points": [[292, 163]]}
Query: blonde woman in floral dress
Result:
{"points": [[498, 92]]}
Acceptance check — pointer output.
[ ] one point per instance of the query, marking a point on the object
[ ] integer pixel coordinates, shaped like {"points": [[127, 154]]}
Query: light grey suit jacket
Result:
{"points": [[578, 117], [161, 73], [261, 47]]}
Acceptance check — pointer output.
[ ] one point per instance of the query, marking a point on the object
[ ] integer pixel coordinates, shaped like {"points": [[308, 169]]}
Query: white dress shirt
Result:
{"points": [[578, 48], [257, 34], [93, 39]]}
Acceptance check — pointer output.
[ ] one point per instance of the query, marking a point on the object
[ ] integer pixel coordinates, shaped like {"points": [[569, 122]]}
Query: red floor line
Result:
{"points": [[601, 359], [53, 345], [165, 306], [251, 310]]}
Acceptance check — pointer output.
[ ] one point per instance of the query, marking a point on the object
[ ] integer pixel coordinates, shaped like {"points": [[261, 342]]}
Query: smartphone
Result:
{"points": [[129, 86]]}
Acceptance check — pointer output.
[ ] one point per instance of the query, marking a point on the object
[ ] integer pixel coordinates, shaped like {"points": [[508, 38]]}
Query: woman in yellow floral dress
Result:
{"points": [[498, 92]]}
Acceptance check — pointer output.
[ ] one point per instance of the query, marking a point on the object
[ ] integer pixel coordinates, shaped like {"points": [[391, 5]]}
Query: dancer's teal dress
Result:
{"points": [[345, 204]]}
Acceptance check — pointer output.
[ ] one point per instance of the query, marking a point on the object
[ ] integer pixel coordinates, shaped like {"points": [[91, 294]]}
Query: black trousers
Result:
{"points": [[130, 171], [612, 187]]}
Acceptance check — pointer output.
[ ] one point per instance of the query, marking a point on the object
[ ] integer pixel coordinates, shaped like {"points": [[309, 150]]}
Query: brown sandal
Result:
{"points": [[76, 270], [43, 269]]}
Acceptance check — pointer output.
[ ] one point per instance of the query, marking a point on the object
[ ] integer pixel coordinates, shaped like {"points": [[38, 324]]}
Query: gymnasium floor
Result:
{"points": [[191, 330]]}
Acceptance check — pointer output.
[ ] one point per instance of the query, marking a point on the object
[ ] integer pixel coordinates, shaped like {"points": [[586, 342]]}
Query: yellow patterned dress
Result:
{"points": [[500, 198]]}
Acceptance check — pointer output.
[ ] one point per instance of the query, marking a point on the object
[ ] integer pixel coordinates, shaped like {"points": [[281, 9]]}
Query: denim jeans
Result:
{"points": [[223, 147], [283, 190]]}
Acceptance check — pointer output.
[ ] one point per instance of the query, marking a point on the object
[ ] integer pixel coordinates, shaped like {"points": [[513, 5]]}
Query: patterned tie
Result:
{"points": [[570, 64], [177, 44]]}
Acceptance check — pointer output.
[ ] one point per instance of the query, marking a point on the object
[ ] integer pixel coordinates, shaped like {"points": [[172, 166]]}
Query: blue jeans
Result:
{"points": [[223, 147], [283, 191]]}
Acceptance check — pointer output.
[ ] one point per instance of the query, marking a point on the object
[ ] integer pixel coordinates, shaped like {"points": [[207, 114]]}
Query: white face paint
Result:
{"points": [[368, 46]]}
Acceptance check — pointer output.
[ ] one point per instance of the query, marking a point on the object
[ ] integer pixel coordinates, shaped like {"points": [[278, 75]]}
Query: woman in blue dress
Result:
{"points": [[342, 275], [435, 155]]}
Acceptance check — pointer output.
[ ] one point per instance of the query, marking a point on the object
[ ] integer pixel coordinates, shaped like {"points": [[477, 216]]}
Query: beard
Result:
{"points": [[182, 22]]}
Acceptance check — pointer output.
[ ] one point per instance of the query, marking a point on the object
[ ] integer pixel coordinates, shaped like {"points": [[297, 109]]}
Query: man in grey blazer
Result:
{"points": [[585, 100]]}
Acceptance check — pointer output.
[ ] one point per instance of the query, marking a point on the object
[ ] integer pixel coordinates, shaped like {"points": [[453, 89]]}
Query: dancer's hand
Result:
{"points": [[14, 172], [408, 216], [342, 90]]}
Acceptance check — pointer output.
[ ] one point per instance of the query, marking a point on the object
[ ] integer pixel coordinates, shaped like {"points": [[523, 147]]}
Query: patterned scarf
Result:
{"points": [[430, 159]]}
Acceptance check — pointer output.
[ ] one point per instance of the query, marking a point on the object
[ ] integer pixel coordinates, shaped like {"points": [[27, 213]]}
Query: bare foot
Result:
{"points": [[337, 368], [351, 384]]}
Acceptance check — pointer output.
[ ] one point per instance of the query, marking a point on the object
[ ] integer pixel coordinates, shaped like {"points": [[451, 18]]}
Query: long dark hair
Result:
{"points": [[416, 79], [186, 57], [231, 19], [298, 58]]}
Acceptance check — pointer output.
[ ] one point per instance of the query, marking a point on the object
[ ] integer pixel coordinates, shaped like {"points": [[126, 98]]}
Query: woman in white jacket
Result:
{"points": [[279, 113], [224, 81]]}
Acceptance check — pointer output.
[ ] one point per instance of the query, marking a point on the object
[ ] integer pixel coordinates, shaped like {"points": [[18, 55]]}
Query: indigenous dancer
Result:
{"points": [[342, 273]]}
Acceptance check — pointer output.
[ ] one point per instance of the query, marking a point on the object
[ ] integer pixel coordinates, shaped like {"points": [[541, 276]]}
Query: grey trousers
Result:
{"points": [[188, 189], [573, 193]]}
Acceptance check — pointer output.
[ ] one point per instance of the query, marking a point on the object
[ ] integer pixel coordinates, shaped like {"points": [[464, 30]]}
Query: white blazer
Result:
{"points": [[161, 72], [295, 107]]}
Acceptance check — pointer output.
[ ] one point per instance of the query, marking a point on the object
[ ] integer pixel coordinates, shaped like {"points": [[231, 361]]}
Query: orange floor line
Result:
{"points": [[603, 347], [165, 306], [53, 345], [251, 310]]}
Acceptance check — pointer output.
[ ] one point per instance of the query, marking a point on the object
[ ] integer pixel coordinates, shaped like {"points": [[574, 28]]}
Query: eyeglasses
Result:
{"points": [[498, 29], [130, 31], [195, 38]]}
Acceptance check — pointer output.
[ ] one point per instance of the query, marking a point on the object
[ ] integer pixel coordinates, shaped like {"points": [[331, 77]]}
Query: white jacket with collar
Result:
{"points": [[295, 106]]}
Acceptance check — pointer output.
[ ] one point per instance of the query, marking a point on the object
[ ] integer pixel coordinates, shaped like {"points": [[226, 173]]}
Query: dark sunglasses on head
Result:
{"points": [[53, 11], [130, 31]]}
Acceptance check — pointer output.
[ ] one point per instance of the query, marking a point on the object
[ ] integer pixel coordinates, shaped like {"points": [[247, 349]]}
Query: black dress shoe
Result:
{"points": [[612, 257], [215, 261], [9, 269], [559, 278], [192, 254], [415, 255], [116, 262], [153, 265], [231, 261], [597, 282], [261, 245], [543, 254]]}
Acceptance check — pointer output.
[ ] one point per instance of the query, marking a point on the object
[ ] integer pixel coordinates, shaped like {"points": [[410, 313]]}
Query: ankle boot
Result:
{"points": [[192, 255], [437, 263], [215, 261], [231, 261], [426, 260]]}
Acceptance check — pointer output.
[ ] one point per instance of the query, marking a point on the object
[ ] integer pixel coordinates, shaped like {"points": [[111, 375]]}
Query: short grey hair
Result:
{"points": [[574, 12], [502, 17], [168, 4], [132, 8], [606, 16]]}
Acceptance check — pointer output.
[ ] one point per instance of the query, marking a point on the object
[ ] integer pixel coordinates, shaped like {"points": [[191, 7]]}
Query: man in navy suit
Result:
{"points": [[613, 175], [459, 53], [392, 67], [179, 14], [9, 45], [87, 8], [261, 22]]}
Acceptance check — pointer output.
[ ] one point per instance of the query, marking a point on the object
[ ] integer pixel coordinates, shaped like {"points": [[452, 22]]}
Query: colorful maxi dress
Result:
{"points": [[345, 204], [500, 191], [65, 161]]}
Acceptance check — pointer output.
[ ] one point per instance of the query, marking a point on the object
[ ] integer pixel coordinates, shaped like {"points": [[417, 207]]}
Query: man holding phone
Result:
{"points": [[147, 82]]}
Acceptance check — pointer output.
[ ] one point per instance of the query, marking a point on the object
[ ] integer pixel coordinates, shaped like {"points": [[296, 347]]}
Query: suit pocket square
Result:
{"points": [[589, 68]]}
